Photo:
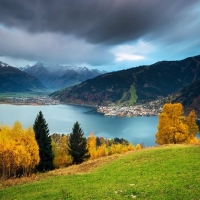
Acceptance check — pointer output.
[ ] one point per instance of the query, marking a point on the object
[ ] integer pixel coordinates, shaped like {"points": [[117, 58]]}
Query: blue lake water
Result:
{"points": [[61, 118]]}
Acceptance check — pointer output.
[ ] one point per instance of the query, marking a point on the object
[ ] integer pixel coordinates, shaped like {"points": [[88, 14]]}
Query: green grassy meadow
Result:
{"points": [[167, 172], [128, 98]]}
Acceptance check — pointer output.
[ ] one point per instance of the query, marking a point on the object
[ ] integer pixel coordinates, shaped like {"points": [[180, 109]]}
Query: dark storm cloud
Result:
{"points": [[52, 48], [98, 21]]}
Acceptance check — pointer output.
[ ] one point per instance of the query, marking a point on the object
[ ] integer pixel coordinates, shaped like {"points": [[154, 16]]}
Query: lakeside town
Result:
{"points": [[37, 100], [152, 108]]}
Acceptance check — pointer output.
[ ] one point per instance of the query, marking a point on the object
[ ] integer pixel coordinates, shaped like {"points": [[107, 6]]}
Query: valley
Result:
{"points": [[99, 100], [129, 92]]}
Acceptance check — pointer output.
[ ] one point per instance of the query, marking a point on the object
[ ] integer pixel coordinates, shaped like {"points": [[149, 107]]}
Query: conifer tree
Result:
{"points": [[44, 142], [78, 145]]}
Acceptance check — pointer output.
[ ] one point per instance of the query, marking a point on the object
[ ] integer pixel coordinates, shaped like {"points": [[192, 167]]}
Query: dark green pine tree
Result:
{"points": [[78, 145], [44, 142]]}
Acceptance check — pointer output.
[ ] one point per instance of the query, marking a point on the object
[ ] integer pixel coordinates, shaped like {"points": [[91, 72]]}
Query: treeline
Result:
{"points": [[26, 151], [97, 147]]}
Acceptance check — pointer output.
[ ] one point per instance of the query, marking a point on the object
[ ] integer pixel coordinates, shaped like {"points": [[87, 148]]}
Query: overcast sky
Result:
{"points": [[104, 34]]}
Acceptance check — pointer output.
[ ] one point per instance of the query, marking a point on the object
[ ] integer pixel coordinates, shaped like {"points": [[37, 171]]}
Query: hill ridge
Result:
{"points": [[150, 82], [14, 80]]}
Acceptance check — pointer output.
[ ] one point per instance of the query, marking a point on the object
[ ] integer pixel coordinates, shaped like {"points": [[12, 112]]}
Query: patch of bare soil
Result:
{"points": [[85, 167]]}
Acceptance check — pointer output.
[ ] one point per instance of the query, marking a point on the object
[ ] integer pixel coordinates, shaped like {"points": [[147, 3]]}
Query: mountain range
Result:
{"points": [[139, 84], [56, 77], [180, 79], [14, 80]]}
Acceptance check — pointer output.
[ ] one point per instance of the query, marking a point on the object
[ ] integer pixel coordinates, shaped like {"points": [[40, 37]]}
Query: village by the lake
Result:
{"points": [[152, 108], [36, 100]]}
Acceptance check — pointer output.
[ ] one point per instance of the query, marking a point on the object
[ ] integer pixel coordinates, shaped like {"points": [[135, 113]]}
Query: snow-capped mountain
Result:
{"points": [[3, 64], [60, 76], [14, 80]]}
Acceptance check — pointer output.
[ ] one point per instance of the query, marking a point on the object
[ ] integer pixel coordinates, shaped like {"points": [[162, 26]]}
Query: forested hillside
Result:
{"points": [[138, 84], [190, 97], [14, 80]]}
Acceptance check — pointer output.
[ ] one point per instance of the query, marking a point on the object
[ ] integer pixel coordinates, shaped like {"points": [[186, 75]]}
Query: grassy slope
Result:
{"points": [[170, 172], [128, 98]]}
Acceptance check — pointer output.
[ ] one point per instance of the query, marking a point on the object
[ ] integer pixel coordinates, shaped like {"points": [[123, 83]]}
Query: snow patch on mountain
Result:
{"points": [[3, 64], [56, 76]]}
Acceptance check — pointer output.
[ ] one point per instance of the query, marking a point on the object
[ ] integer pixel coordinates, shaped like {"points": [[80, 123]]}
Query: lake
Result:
{"points": [[61, 118]]}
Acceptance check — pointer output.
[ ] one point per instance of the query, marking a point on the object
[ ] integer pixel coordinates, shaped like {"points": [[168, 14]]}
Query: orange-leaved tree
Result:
{"points": [[174, 127]]}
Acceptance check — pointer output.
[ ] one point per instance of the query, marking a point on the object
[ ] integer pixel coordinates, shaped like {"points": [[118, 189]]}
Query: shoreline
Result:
{"points": [[84, 105], [25, 104], [76, 104]]}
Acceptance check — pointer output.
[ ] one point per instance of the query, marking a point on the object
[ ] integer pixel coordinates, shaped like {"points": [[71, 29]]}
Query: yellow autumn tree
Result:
{"points": [[19, 153], [101, 151], [60, 150], [107, 146], [173, 127], [116, 148], [122, 148], [192, 127], [91, 145], [31, 148], [6, 151], [22, 157], [138, 147]]}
